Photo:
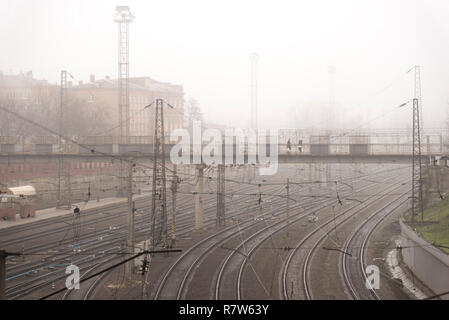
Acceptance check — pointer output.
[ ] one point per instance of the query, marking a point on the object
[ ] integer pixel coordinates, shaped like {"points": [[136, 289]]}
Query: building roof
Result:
{"points": [[22, 191], [20, 80], [140, 83]]}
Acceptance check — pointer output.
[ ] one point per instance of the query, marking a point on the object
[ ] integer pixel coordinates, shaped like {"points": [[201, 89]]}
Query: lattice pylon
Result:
{"points": [[417, 196], [64, 187], [159, 192], [123, 19]]}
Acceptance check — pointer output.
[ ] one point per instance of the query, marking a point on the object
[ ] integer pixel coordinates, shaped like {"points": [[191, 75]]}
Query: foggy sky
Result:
{"points": [[205, 46]]}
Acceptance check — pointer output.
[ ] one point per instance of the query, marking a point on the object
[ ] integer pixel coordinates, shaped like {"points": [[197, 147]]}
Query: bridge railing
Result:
{"points": [[144, 145]]}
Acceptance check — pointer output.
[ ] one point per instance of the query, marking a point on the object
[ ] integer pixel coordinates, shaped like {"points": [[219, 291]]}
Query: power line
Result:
{"points": [[93, 151], [369, 98], [110, 268], [159, 190]]}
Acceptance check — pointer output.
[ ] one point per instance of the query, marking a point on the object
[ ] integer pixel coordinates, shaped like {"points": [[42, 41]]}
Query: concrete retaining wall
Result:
{"points": [[427, 262]]}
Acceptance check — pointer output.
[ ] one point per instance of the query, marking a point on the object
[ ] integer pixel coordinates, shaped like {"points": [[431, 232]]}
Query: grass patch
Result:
{"points": [[437, 233]]}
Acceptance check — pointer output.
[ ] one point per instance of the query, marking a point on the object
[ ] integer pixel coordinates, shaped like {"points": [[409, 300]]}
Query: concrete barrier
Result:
{"points": [[428, 263], [27, 211], [8, 214]]}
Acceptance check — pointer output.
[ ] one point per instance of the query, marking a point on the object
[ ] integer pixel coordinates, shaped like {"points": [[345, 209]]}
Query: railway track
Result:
{"points": [[22, 289], [302, 261], [232, 215], [84, 294], [358, 243], [169, 285], [184, 227], [45, 281], [87, 237], [97, 280], [176, 280], [245, 261]]}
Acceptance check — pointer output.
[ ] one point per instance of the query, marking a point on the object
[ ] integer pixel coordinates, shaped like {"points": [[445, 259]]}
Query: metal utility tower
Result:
{"points": [[199, 214], [174, 190], [63, 166], [254, 59], [417, 196], [159, 196], [123, 18], [417, 93], [131, 212], [328, 173], [221, 195]]}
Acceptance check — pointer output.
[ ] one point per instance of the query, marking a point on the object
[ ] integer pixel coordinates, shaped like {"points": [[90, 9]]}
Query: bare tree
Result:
{"points": [[192, 113], [85, 119], [42, 112], [80, 118]]}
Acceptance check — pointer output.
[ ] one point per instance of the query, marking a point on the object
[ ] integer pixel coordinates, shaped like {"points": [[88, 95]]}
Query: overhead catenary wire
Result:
{"points": [[94, 252], [370, 97], [93, 151], [112, 267], [371, 120]]}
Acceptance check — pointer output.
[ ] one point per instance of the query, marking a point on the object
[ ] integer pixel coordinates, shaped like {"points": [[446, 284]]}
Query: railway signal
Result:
{"points": [[145, 266]]}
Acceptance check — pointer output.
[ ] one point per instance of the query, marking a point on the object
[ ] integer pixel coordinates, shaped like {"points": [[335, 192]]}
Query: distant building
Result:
{"points": [[28, 96], [142, 92], [24, 90]]}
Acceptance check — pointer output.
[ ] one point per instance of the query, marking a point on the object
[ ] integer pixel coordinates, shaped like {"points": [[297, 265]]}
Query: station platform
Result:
{"points": [[54, 212]]}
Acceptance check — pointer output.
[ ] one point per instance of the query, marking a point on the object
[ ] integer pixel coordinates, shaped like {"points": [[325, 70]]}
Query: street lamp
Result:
{"points": [[123, 14]]}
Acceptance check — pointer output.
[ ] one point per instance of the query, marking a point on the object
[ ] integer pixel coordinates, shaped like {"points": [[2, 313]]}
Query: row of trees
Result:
{"points": [[192, 112], [81, 118]]}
